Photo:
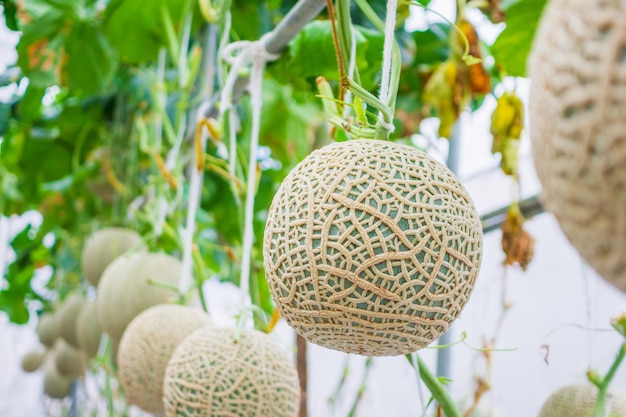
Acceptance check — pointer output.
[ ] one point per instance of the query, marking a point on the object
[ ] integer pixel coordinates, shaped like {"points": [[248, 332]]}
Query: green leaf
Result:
{"points": [[619, 324], [432, 45], [10, 14], [512, 47]]}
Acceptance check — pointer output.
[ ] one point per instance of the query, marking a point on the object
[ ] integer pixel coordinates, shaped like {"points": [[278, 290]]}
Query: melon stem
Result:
{"points": [[604, 384], [434, 385]]}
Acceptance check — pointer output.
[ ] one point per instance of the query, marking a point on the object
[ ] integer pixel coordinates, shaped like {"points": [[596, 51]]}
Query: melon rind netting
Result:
{"points": [[580, 401], [211, 374], [146, 347], [577, 126], [371, 247]]}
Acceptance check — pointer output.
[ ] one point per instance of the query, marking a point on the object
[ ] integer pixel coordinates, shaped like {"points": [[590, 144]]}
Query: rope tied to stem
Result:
{"points": [[238, 55]]}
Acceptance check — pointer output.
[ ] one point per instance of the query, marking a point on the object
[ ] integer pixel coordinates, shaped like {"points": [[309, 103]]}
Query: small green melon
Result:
{"points": [[48, 329], [88, 330], [70, 362], [579, 401], [146, 347], [68, 313], [54, 384], [33, 360], [102, 248], [211, 373], [124, 290]]}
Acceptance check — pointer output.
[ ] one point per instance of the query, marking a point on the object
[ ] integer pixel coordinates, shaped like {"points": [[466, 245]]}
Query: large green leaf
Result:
{"points": [[512, 47], [432, 45], [10, 11]]}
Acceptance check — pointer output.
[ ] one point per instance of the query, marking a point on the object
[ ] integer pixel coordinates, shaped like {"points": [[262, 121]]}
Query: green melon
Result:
{"points": [[371, 247], [54, 384], [576, 106], [88, 330], [124, 290], [33, 360], [68, 313], [146, 347], [69, 361], [102, 248], [48, 329], [579, 401], [212, 374]]}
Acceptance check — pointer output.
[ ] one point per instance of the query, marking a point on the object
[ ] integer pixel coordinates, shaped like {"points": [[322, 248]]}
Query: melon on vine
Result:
{"points": [[577, 127], [48, 329], [580, 401], [70, 362], [371, 247], [146, 347], [212, 373], [88, 330], [125, 289], [102, 247], [55, 385], [33, 360], [67, 314]]}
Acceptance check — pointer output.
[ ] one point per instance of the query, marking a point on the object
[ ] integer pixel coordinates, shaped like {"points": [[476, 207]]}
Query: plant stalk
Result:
{"points": [[604, 384]]}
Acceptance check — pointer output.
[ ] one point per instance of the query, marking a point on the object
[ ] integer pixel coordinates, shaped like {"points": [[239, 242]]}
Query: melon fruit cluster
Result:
{"points": [[371, 247], [578, 129], [580, 401]]}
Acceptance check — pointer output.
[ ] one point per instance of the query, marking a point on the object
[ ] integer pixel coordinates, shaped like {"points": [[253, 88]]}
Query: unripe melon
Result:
{"points": [[88, 330], [68, 313], [70, 362], [54, 384], [102, 248], [371, 247], [577, 126], [48, 329], [212, 374], [579, 401], [124, 290], [146, 347], [33, 360]]}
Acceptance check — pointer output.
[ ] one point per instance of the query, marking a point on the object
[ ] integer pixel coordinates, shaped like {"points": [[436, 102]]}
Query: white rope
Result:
{"points": [[390, 26], [351, 69], [239, 54]]}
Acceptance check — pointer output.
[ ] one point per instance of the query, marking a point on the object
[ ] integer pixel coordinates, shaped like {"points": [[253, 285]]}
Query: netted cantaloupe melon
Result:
{"points": [[371, 247], [48, 329], [213, 374], [69, 361], [33, 360], [125, 290], [146, 347], [68, 313], [103, 247], [577, 126], [88, 330], [580, 401], [55, 385]]}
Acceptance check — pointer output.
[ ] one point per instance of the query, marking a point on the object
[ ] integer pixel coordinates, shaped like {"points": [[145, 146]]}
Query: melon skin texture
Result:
{"points": [[102, 248], [124, 290], [88, 330], [371, 247], [579, 401], [577, 127], [48, 329], [33, 360], [70, 362], [212, 374], [54, 384], [146, 347], [68, 314]]}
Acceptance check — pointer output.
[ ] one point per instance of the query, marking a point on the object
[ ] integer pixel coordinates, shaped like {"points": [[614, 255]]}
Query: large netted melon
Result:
{"points": [[68, 313], [88, 330], [102, 248], [48, 329], [577, 126], [146, 347], [33, 360], [213, 374], [125, 290], [54, 384], [579, 401], [371, 247], [69, 361]]}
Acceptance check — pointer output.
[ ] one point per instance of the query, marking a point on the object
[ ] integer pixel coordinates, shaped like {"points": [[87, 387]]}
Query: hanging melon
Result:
{"points": [[48, 329], [371, 247], [54, 384], [68, 313], [33, 360], [125, 290], [579, 401], [211, 373], [146, 347], [88, 330], [578, 129], [102, 248], [70, 362]]}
